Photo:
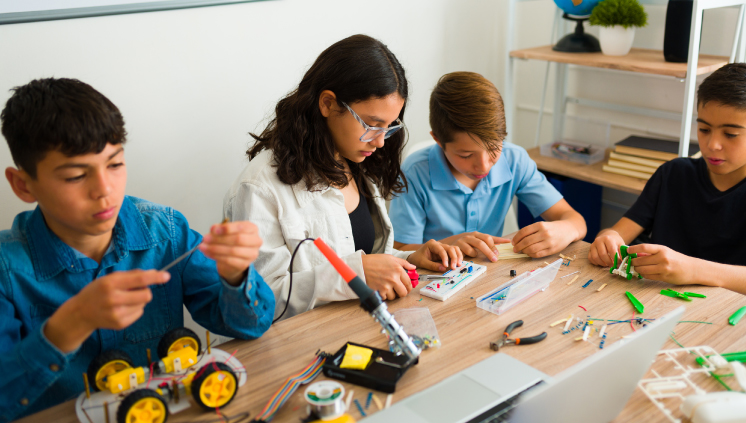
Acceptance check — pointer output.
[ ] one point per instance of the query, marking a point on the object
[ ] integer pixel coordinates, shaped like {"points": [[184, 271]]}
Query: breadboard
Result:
{"points": [[454, 281]]}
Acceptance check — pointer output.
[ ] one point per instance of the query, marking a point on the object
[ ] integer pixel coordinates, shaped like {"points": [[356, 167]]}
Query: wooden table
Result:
{"points": [[589, 173], [465, 332]]}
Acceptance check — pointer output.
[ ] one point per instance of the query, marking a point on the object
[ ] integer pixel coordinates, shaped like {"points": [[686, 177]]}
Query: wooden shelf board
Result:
{"points": [[589, 173], [638, 60]]}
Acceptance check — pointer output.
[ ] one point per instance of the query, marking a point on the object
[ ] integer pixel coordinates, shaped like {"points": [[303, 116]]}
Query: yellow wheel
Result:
{"points": [[143, 406], [215, 386], [106, 364], [178, 339], [184, 343]]}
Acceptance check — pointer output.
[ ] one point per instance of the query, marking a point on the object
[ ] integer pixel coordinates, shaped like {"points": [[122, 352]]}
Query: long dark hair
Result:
{"points": [[355, 69]]}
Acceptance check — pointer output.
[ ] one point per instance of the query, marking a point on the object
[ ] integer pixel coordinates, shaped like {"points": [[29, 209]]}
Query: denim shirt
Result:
{"points": [[39, 272]]}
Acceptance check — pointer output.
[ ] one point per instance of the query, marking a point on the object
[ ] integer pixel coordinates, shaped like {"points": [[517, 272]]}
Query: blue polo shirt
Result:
{"points": [[39, 272], [437, 206]]}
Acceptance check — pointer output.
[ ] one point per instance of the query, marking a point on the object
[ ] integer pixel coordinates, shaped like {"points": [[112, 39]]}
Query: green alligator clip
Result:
{"points": [[695, 295], [673, 294], [732, 356], [638, 305], [736, 317]]}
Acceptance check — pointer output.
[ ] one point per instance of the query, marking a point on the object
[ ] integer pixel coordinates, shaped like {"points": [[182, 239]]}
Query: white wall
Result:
{"points": [[192, 83]]}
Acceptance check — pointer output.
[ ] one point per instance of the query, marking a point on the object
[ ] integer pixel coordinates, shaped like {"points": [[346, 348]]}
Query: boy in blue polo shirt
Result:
{"points": [[459, 190], [693, 209], [68, 290]]}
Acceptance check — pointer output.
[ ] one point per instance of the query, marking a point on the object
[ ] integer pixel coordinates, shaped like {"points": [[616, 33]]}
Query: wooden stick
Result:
{"points": [[601, 287], [573, 279], [557, 323], [379, 405], [87, 387]]}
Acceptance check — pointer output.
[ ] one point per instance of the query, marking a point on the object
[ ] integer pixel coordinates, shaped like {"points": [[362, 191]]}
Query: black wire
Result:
{"points": [[290, 289]]}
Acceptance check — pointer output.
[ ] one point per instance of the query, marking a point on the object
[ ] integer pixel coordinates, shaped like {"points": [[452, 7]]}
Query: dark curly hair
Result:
{"points": [[355, 69], [60, 114]]}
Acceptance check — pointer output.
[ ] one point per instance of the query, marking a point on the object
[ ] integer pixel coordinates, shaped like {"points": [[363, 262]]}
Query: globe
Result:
{"points": [[577, 8]]}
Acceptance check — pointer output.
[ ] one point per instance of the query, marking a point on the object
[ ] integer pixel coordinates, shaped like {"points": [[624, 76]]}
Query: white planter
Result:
{"points": [[616, 40]]}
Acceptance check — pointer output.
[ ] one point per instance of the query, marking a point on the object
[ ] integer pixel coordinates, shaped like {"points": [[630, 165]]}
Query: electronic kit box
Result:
{"points": [[507, 295], [382, 372]]}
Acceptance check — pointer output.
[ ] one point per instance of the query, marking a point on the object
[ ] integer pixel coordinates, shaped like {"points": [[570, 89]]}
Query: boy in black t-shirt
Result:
{"points": [[694, 209]]}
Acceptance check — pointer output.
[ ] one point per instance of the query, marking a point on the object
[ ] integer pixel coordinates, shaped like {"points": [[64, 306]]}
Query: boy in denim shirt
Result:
{"points": [[68, 290]]}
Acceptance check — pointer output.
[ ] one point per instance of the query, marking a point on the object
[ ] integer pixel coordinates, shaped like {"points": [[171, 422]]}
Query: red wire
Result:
{"points": [[231, 356], [583, 307], [630, 322], [150, 376]]}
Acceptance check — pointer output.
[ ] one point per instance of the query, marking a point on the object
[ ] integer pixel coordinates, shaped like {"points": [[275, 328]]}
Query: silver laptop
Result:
{"points": [[502, 388]]}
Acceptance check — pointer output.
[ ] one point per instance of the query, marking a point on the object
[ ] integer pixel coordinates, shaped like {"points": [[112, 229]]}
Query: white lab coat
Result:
{"points": [[287, 214]]}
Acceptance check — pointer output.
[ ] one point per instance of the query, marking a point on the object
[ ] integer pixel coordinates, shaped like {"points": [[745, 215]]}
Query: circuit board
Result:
{"points": [[453, 281]]}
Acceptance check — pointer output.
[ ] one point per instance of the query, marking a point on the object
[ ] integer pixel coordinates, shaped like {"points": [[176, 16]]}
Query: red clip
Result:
{"points": [[414, 277]]}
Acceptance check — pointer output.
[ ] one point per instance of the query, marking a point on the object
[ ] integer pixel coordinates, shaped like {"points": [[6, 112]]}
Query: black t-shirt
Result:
{"points": [[363, 230], [683, 210]]}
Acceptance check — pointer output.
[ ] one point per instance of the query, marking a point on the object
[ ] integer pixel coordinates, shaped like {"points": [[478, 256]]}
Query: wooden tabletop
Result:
{"points": [[590, 173], [466, 331], [637, 60]]}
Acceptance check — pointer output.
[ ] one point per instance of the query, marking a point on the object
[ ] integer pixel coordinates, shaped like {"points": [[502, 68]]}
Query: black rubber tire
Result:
{"points": [[203, 373], [103, 359], [172, 336], [132, 398]]}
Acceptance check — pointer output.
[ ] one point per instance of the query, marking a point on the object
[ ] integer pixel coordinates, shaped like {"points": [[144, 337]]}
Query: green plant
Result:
{"points": [[626, 13]]}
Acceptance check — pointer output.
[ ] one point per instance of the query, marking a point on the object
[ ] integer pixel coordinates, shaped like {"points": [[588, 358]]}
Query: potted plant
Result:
{"points": [[618, 20]]}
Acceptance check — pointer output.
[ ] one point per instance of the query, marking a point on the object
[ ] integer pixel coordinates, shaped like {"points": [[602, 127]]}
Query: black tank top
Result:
{"points": [[363, 231]]}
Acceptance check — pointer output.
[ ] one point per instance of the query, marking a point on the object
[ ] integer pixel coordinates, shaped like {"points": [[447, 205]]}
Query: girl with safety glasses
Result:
{"points": [[323, 167]]}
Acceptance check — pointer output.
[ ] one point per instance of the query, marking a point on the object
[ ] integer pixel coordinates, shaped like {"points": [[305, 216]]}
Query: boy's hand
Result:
{"points": [[604, 247], [663, 264], [114, 301], [387, 275], [426, 256], [234, 246], [541, 239], [471, 243]]}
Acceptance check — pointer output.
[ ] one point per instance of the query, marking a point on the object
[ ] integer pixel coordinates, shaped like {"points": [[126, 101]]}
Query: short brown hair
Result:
{"points": [[468, 102]]}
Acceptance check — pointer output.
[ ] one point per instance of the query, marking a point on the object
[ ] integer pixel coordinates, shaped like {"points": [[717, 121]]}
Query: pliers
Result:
{"points": [[517, 341]]}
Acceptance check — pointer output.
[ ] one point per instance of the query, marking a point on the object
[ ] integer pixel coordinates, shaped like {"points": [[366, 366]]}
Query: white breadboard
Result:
{"points": [[456, 281]]}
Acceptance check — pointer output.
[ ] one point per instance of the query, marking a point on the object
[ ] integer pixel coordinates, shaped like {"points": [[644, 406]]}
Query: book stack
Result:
{"points": [[640, 157]]}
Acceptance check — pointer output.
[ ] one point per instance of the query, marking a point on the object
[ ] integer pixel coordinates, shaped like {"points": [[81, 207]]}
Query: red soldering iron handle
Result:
{"points": [[342, 268], [369, 299]]}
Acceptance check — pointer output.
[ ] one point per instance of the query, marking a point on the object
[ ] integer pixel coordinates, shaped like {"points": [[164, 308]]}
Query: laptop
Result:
{"points": [[502, 388]]}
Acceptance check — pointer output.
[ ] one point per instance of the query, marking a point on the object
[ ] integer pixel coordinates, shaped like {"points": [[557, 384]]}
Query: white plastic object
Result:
{"points": [[444, 289], [616, 40], [506, 296], [739, 371], [715, 407], [596, 153]]}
